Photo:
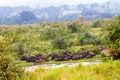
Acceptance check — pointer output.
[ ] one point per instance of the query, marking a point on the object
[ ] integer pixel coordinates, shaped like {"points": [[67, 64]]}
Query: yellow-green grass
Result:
{"points": [[24, 63], [95, 31], [103, 71]]}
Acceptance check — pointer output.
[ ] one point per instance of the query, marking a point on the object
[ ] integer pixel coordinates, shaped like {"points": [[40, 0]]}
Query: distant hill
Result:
{"points": [[12, 15]]}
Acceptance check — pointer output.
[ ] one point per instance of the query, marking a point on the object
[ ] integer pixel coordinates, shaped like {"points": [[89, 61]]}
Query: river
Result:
{"points": [[53, 66]]}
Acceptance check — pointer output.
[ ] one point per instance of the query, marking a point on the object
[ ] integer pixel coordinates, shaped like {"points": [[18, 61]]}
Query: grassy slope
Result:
{"points": [[29, 39], [93, 31]]}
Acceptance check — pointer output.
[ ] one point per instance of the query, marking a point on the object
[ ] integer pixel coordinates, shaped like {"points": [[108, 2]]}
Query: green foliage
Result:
{"points": [[114, 29], [19, 49], [50, 33], [76, 49], [59, 43], [46, 38], [49, 37], [5, 46], [114, 35], [9, 70], [82, 48], [85, 39], [97, 23], [74, 27]]}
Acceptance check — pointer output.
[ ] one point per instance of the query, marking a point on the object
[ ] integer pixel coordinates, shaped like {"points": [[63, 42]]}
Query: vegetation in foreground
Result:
{"points": [[103, 71], [9, 70], [56, 37]]}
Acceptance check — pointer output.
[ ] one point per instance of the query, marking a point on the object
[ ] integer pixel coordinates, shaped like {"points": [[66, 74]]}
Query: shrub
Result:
{"points": [[59, 43], [98, 23], [9, 70], [19, 48], [114, 37], [74, 27], [86, 39]]}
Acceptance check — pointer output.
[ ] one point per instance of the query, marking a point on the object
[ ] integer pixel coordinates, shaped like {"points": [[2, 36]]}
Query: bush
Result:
{"points": [[74, 27], [86, 39], [19, 48], [59, 43], [9, 70], [114, 37], [98, 23]]}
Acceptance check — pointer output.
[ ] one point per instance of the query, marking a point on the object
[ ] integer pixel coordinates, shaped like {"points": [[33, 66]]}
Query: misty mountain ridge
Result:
{"points": [[26, 15]]}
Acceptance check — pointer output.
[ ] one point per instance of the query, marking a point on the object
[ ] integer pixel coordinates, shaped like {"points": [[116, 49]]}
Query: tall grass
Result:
{"points": [[103, 71]]}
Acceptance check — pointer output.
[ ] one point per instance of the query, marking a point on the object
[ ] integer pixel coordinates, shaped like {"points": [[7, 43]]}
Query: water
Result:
{"points": [[53, 66]]}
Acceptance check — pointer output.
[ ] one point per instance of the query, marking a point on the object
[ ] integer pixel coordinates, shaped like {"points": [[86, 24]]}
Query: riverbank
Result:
{"points": [[109, 70], [53, 66]]}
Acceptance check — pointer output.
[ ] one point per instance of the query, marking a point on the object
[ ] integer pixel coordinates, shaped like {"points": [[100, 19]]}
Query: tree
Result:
{"points": [[74, 27], [114, 30], [9, 70], [59, 43], [114, 37]]}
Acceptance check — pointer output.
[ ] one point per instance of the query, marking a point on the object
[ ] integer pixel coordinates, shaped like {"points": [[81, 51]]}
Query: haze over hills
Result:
{"points": [[114, 4], [46, 3], [90, 11]]}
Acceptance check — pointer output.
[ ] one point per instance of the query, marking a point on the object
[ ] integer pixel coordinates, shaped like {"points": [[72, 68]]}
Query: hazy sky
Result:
{"points": [[44, 3]]}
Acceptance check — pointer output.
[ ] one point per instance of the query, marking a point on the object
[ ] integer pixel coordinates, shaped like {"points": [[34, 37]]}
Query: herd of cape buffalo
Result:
{"points": [[64, 56]]}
